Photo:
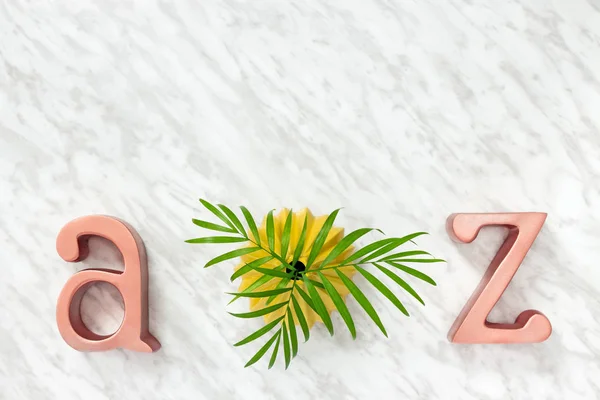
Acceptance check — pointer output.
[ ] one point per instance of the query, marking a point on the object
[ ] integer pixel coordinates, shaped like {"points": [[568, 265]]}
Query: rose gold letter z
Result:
{"points": [[472, 326]]}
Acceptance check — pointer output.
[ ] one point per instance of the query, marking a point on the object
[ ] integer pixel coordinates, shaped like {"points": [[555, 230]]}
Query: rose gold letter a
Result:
{"points": [[71, 245]]}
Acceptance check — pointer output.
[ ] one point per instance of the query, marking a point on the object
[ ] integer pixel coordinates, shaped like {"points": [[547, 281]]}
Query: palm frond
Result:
{"points": [[285, 236], [286, 346], [217, 239], [231, 254], [261, 312], [382, 289], [271, 231], [293, 337], [321, 238], [401, 282], [257, 283], [319, 305], [362, 300], [250, 267], [413, 272], [266, 293], [259, 332], [275, 351], [301, 318], [282, 283], [234, 220], [406, 254], [251, 224], [339, 304], [218, 213], [263, 349], [212, 226], [346, 242], [301, 240], [317, 286]]}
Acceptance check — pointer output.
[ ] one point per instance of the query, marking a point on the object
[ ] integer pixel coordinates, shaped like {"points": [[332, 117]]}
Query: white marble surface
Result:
{"points": [[400, 111]]}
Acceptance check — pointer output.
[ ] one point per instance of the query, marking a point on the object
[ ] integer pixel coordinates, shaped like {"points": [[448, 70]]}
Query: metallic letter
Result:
{"points": [[471, 325], [71, 245]]}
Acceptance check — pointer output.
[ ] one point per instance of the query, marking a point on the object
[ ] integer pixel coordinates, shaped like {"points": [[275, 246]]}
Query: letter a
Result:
{"points": [[472, 326], [71, 245]]}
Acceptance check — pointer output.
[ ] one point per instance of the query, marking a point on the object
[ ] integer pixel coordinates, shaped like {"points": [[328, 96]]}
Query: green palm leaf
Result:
{"points": [[420, 260], [211, 226], [282, 283], [401, 282], [271, 231], [259, 332], [391, 244], [234, 219], [301, 319], [366, 250], [285, 237], [273, 272], [344, 244], [231, 254], [385, 249], [217, 239], [383, 289], [250, 267], [261, 312], [293, 336], [339, 304], [362, 300], [286, 346], [266, 293], [321, 238], [300, 246], [319, 305], [251, 224], [316, 283], [275, 350], [396, 242], [263, 350], [413, 272], [217, 213], [259, 282], [306, 298], [405, 254]]}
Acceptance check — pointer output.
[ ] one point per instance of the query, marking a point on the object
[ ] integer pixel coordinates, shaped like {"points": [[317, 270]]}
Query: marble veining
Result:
{"points": [[401, 112]]}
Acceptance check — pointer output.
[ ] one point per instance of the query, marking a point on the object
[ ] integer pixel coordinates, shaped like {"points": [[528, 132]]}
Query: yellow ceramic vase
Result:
{"points": [[314, 225]]}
